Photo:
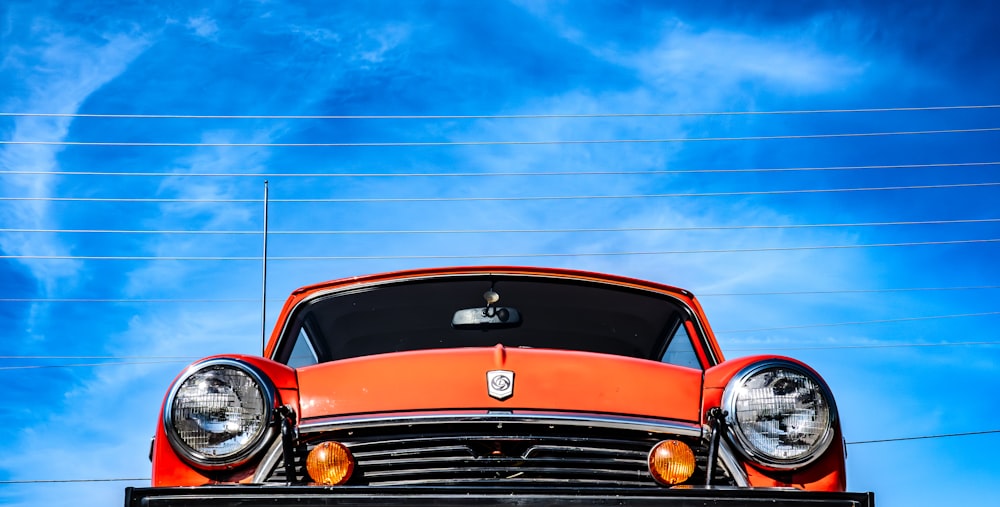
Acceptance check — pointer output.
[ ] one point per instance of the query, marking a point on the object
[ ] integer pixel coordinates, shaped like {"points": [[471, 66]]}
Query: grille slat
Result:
{"points": [[510, 471], [510, 482], [560, 441], [566, 463], [455, 450], [577, 450]]}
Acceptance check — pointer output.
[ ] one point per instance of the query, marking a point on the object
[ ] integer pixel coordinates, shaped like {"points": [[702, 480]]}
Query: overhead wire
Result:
{"points": [[499, 198], [867, 346], [498, 116], [71, 481], [923, 437], [36, 357], [854, 323], [846, 291], [505, 231], [493, 255], [117, 363], [699, 295], [130, 300], [410, 144], [499, 174]]}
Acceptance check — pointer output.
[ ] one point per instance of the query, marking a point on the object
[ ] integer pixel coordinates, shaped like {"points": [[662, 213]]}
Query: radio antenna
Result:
{"points": [[263, 295]]}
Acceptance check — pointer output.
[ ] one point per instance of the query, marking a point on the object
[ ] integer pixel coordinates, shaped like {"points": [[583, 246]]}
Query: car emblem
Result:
{"points": [[500, 383]]}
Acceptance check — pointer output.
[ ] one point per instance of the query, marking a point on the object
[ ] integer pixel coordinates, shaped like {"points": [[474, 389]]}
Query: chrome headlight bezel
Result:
{"points": [[257, 442], [745, 444]]}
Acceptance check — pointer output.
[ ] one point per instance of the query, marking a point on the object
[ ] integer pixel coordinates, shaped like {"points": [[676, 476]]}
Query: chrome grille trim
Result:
{"points": [[735, 469], [433, 448], [268, 464], [418, 418]]}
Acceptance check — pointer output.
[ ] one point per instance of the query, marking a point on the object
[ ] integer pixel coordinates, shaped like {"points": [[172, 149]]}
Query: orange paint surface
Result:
{"points": [[543, 380]]}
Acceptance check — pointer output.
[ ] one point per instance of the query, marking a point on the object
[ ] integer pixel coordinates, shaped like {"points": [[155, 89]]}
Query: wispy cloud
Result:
{"points": [[203, 26], [368, 44], [60, 71], [685, 57], [681, 58]]}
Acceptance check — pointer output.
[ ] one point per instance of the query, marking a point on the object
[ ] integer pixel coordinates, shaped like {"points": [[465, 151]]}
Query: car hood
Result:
{"points": [[456, 379]]}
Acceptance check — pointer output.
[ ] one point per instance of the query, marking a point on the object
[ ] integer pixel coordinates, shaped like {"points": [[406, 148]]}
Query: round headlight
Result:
{"points": [[218, 413], [780, 414]]}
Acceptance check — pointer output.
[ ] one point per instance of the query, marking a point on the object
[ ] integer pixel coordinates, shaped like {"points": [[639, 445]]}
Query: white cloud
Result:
{"points": [[691, 61], [203, 26], [60, 71], [357, 44], [724, 59], [318, 35], [376, 43]]}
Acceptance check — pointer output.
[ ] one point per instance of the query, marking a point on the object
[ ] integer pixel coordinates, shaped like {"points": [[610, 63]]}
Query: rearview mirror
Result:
{"points": [[490, 316]]}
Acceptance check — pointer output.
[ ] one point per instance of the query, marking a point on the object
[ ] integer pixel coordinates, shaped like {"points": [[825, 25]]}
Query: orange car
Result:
{"points": [[496, 385]]}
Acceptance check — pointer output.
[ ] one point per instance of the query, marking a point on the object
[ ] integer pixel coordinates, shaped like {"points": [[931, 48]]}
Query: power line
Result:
{"points": [[166, 232], [97, 357], [493, 256], [507, 231], [71, 481], [833, 324], [509, 198], [699, 295], [499, 116], [117, 363], [135, 199], [126, 300], [500, 174], [404, 144], [871, 346], [844, 291], [923, 437]]}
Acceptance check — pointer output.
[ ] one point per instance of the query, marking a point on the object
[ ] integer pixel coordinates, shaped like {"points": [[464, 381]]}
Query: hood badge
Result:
{"points": [[500, 384]]}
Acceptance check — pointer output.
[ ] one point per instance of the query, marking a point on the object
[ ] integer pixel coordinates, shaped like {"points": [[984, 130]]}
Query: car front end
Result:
{"points": [[489, 386]]}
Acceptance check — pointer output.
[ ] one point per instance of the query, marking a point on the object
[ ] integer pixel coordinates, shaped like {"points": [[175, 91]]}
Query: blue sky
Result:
{"points": [[893, 371]]}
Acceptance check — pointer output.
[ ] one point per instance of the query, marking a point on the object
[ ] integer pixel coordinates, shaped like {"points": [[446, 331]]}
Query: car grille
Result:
{"points": [[501, 454]]}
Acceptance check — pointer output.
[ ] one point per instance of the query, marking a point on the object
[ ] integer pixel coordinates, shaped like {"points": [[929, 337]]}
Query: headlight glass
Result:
{"points": [[780, 414], [218, 414]]}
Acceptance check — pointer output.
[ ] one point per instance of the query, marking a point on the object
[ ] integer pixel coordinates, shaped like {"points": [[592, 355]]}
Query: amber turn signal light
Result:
{"points": [[671, 462], [330, 464]]}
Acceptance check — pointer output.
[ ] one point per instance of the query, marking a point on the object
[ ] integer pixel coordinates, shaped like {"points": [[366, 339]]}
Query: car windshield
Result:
{"points": [[455, 312]]}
